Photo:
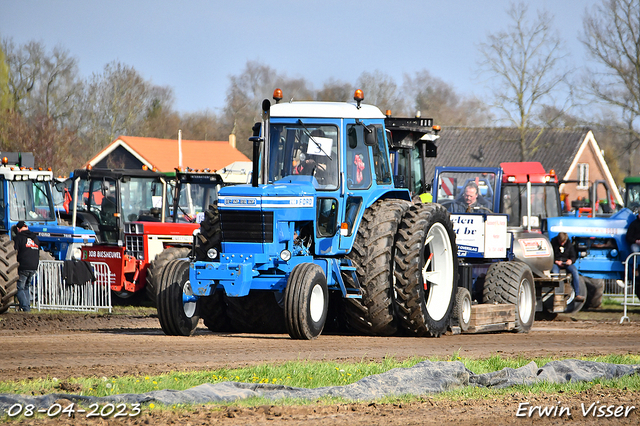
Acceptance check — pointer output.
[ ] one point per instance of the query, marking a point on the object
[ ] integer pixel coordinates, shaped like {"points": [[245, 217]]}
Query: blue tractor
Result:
{"points": [[26, 194], [321, 236], [600, 240]]}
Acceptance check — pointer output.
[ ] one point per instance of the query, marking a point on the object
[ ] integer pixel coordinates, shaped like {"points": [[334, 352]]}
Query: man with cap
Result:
{"points": [[28, 248]]}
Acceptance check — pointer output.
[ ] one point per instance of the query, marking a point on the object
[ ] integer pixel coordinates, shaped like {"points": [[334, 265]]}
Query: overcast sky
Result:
{"points": [[194, 46]]}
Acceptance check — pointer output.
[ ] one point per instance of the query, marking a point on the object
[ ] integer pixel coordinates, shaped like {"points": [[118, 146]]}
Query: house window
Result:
{"points": [[583, 176]]}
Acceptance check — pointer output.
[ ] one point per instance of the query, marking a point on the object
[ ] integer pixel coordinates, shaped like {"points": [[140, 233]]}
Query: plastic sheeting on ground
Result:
{"points": [[426, 377]]}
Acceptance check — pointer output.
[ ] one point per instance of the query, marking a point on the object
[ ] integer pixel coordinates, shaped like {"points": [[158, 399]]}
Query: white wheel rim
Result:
{"points": [[438, 272], [189, 307], [466, 311], [525, 300], [316, 303]]}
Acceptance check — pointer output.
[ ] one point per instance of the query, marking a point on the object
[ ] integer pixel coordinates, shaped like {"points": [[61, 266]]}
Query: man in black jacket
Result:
{"points": [[28, 247], [565, 257]]}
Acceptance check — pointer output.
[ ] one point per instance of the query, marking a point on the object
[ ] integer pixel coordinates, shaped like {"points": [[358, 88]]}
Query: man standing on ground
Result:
{"points": [[28, 247], [565, 257]]}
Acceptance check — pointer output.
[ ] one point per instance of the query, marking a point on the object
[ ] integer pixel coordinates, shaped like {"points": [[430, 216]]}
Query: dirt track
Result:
{"points": [[39, 345]]}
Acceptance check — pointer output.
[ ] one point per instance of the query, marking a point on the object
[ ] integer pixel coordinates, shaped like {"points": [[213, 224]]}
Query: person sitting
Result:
{"points": [[564, 258], [472, 199]]}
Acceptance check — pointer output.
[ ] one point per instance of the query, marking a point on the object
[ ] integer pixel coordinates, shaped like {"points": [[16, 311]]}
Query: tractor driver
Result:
{"points": [[470, 196]]}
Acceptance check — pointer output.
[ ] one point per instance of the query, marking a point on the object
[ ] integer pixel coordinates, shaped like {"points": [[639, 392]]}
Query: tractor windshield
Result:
{"points": [[545, 202], [142, 199], [30, 200], [308, 149], [462, 192], [194, 198], [632, 196]]}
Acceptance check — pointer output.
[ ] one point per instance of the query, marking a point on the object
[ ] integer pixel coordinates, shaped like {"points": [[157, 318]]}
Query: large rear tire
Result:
{"points": [[595, 291], [512, 282], [210, 235], [372, 256], [306, 302], [154, 270], [177, 316], [212, 308], [426, 270], [8, 272]]}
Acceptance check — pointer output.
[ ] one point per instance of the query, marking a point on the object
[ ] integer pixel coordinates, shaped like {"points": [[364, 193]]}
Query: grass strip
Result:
{"points": [[305, 374]]}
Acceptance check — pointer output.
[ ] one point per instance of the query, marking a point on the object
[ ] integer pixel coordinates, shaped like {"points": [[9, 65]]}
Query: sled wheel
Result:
{"points": [[462, 309], [178, 314], [306, 301], [154, 271], [426, 270], [372, 256], [512, 282], [572, 305]]}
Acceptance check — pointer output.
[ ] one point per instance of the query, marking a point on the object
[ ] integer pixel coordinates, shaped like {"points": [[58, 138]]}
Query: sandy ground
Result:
{"points": [[38, 345]]}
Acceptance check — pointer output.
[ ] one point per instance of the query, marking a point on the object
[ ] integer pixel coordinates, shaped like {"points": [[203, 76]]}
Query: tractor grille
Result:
{"points": [[134, 245], [239, 226]]}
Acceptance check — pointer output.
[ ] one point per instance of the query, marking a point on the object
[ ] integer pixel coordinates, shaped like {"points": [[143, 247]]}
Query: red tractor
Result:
{"points": [[136, 215]]}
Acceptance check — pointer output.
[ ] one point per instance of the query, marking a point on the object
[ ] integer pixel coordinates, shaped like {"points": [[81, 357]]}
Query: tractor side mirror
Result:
{"points": [[370, 136]]}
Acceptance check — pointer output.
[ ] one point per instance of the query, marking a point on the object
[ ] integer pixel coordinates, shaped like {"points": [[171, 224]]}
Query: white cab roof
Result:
{"points": [[325, 110]]}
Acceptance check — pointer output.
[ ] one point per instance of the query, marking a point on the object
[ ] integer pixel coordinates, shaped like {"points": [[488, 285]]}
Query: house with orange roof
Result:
{"points": [[133, 152]]}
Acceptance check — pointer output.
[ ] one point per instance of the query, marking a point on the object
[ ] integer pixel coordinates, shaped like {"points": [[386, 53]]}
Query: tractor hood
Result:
{"points": [[293, 191]]}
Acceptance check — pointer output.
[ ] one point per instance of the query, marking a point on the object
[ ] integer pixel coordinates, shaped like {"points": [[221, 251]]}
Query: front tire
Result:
{"points": [[512, 282], [306, 301], [177, 316], [426, 270], [154, 270]]}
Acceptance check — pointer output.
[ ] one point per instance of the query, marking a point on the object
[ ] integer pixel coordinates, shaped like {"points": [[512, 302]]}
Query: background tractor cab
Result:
{"points": [[410, 145], [26, 194], [106, 199]]}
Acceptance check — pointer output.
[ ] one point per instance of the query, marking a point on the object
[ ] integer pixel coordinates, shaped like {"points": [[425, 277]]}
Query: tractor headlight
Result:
{"points": [[613, 253], [77, 253], [285, 255], [212, 253]]}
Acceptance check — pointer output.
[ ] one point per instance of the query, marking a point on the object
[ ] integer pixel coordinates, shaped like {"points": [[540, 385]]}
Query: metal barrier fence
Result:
{"points": [[613, 288], [631, 272], [53, 292]]}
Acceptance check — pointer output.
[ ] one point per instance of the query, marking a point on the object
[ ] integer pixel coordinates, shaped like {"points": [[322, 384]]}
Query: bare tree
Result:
{"points": [[380, 90], [438, 100], [336, 91], [6, 100], [612, 38], [25, 66], [116, 102], [526, 65], [245, 95]]}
